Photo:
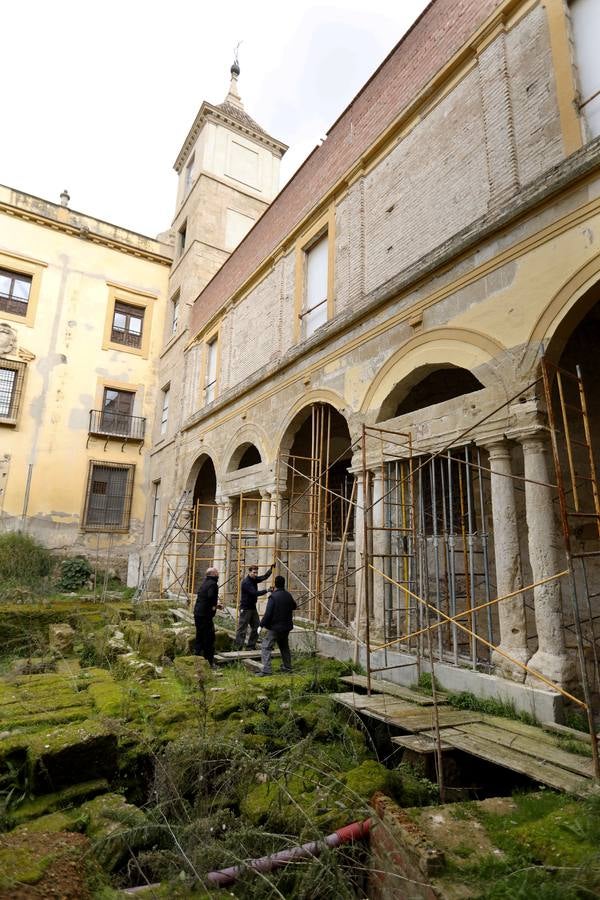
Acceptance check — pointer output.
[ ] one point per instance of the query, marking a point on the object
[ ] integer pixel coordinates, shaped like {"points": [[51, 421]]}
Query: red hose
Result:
{"points": [[357, 831]]}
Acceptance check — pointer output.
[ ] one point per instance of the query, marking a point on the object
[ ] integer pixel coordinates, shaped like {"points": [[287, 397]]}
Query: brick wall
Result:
{"points": [[472, 151], [440, 33]]}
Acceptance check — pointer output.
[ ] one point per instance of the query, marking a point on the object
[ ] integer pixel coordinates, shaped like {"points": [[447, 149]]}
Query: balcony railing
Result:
{"points": [[112, 424]]}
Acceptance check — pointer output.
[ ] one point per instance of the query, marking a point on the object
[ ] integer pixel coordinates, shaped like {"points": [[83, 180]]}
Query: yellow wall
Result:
{"points": [[72, 361]]}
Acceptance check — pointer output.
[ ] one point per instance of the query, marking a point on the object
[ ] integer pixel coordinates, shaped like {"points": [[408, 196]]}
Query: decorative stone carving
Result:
{"points": [[8, 339], [25, 355]]}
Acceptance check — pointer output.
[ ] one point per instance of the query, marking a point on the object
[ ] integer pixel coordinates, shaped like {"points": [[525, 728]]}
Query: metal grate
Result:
{"points": [[115, 423], [12, 379], [108, 497]]}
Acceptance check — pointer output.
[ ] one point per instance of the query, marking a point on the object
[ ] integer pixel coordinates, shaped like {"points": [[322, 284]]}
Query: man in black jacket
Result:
{"points": [[248, 614], [278, 620], [206, 606]]}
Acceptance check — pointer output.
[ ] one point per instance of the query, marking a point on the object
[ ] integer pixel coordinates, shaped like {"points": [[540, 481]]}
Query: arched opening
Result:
{"points": [[575, 420], [203, 524], [426, 387], [316, 541], [245, 455]]}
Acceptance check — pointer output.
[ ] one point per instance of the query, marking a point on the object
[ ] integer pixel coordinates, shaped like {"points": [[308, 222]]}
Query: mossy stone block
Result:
{"points": [[115, 827], [73, 753]]}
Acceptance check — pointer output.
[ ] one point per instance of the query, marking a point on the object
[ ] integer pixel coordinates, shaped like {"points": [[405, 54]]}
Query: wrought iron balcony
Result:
{"points": [[112, 424]]}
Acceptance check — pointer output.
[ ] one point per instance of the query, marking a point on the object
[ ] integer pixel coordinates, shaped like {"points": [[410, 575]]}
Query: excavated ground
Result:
{"points": [[124, 761]]}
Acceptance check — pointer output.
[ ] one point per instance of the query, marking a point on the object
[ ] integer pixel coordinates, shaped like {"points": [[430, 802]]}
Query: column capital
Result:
{"points": [[497, 447]]}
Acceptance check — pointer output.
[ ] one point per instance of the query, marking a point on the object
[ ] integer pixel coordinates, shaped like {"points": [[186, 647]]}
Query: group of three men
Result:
{"points": [[277, 619]]}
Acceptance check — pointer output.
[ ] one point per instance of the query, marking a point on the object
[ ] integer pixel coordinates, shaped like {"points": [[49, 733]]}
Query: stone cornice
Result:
{"points": [[208, 111], [80, 228]]}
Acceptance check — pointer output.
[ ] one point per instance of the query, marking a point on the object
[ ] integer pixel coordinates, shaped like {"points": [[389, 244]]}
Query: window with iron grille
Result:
{"points": [[108, 497], [127, 325], [12, 377], [15, 289]]}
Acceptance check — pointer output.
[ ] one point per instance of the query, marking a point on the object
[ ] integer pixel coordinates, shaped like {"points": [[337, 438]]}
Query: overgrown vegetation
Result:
{"points": [[549, 849], [74, 572], [24, 565]]}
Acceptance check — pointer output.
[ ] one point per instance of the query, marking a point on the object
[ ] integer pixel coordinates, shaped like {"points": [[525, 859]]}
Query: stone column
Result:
{"points": [[511, 613], [551, 658], [359, 624], [222, 532], [381, 549]]}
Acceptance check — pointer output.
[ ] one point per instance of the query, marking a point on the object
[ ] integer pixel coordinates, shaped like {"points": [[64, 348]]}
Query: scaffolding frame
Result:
{"points": [[572, 507]]}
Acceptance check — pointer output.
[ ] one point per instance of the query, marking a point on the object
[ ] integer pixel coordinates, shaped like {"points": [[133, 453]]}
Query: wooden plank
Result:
{"points": [[402, 714], [418, 743], [183, 614], [544, 773], [515, 727], [539, 750], [565, 731], [233, 655], [380, 686]]}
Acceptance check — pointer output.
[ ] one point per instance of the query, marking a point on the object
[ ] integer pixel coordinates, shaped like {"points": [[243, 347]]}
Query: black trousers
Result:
{"points": [[205, 638], [248, 619]]}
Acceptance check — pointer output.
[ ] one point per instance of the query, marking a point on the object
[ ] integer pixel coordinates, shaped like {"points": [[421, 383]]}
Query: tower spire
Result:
{"points": [[233, 95]]}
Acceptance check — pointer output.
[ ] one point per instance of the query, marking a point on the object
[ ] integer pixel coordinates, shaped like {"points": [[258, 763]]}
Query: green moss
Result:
{"points": [[150, 640], [367, 778], [108, 697], [192, 670], [80, 750], [468, 701], [33, 809], [71, 820], [20, 865], [114, 827]]}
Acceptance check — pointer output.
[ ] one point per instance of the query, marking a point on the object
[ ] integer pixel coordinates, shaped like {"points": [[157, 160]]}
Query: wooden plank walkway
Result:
{"points": [[379, 686], [240, 655], [505, 742]]}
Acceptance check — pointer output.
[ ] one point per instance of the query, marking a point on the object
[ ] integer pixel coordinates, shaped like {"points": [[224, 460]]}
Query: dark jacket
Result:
{"points": [[250, 592], [206, 603], [278, 614]]}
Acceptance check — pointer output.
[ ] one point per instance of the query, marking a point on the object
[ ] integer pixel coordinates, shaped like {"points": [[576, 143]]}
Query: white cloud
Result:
{"points": [[99, 98]]}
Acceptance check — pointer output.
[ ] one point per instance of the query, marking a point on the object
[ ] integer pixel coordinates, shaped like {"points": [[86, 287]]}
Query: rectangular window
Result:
{"points": [[12, 375], [181, 239], [210, 382], [164, 416], [155, 510], [108, 497], [585, 24], [15, 289], [314, 313], [127, 325], [117, 411], [174, 313], [188, 176]]}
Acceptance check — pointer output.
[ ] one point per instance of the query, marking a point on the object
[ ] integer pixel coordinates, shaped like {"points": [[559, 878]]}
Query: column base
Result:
{"points": [[559, 668], [507, 669]]}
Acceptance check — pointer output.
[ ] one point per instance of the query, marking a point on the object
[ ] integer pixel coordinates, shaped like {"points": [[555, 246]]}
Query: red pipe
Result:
{"points": [[357, 831]]}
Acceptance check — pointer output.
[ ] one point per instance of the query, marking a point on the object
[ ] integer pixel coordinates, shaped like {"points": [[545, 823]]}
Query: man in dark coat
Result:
{"points": [[248, 613], [206, 606], [278, 620]]}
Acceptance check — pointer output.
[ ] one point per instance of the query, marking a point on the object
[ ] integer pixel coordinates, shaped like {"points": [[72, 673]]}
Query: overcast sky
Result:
{"points": [[98, 98]]}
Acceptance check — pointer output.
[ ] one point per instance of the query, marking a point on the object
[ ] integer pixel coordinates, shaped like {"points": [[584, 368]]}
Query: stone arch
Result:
{"points": [[203, 459], [426, 386], [285, 437], [247, 435], [569, 305], [442, 347]]}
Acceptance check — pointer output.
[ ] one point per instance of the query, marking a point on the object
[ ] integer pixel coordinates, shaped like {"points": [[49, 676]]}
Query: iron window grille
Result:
{"points": [[12, 379], [127, 325], [15, 289], [108, 497], [114, 424]]}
